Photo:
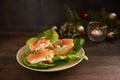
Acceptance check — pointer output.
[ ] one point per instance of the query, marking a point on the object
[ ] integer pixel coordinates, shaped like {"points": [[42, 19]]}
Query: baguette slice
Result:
{"points": [[43, 55], [63, 46]]}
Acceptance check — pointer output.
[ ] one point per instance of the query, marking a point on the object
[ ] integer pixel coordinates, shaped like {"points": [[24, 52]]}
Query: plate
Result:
{"points": [[52, 69]]}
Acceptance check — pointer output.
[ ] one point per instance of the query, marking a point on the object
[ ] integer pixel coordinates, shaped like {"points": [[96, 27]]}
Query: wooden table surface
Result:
{"points": [[103, 64]]}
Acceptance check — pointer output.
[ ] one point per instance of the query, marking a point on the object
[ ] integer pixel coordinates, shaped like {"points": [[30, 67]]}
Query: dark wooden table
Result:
{"points": [[103, 64]]}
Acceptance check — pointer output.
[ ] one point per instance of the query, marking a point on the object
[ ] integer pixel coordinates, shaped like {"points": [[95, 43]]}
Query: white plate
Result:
{"points": [[52, 69]]}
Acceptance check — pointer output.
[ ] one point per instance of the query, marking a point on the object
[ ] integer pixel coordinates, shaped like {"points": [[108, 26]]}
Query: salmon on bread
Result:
{"points": [[43, 55], [39, 44], [63, 46]]}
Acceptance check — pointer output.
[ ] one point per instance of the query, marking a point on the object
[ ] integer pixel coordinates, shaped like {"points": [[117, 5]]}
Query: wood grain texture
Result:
{"points": [[103, 64]]}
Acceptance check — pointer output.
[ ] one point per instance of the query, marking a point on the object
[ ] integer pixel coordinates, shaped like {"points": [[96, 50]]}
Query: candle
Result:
{"points": [[96, 32]]}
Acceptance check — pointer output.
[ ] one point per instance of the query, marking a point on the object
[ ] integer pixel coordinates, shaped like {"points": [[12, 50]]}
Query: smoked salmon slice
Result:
{"points": [[39, 44], [43, 55]]}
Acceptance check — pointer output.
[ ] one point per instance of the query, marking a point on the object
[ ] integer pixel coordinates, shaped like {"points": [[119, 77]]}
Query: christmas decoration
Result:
{"points": [[76, 25], [85, 16], [110, 35], [84, 33], [112, 16], [54, 27], [96, 31], [80, 28], [67, 30]]}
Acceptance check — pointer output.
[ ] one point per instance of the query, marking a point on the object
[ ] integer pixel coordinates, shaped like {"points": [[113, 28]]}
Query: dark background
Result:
{"points": [[42, 14]]}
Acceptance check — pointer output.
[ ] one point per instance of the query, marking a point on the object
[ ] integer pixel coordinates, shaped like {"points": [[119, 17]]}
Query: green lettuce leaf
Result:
{"points": [[78, 43], [50, 34], [70, 57]]}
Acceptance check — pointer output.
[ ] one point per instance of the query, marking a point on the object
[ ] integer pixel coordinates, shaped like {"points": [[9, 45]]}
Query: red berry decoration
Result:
{"points": [[85, 15], [84, 33]]}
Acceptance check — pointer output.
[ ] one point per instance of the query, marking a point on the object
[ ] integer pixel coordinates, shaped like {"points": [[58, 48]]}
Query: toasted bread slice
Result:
{"points": [[63, 46], [43, 55]]}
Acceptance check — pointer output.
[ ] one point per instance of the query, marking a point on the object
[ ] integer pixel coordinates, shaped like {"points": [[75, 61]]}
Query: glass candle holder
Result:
{"points": [[97, 31]]}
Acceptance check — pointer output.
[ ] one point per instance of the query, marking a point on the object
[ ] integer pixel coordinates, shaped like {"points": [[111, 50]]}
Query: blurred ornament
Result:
{"points": [[110, 35], [54, 27], [67, 30], [85, 15], [112, 16], [84, 33], [80, 28]]}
